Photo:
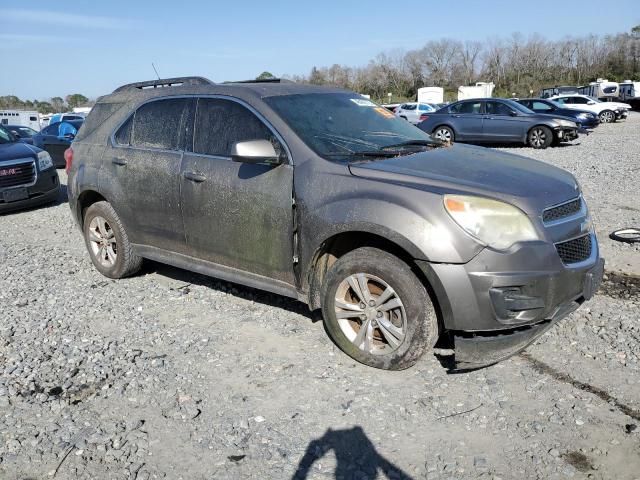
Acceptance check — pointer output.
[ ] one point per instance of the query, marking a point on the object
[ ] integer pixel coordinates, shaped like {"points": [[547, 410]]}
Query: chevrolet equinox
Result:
{"points": [[322, 195]]}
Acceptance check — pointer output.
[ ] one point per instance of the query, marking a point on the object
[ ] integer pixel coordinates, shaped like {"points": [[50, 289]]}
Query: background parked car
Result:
{"points": [[413, 110], [607, 111], [56, 138], [22, 133], [497, 120], [583, 118], [27, 176]]}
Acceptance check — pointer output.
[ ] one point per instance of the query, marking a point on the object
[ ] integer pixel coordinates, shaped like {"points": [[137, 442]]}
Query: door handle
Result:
{"points": [[119, 161], [455, 116], [194, 176]]}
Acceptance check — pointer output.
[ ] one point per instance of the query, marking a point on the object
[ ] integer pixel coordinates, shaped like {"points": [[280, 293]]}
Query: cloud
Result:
{"points": [[73, 20], [14, 38]]}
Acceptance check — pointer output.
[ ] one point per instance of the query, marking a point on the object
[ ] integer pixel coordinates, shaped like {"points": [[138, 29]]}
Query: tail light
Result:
{"points": [[68, 158], [423, 117]]}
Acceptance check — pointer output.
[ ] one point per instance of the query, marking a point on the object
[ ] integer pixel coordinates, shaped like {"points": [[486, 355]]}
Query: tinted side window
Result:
{"points": [[158, 124], [221, 123], [497, 108], [579, 100], [541, 106], [467, 107], [123, 135], [51, 130]]}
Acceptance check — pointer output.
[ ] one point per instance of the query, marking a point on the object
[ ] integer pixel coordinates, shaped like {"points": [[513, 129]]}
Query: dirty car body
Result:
{"points": [[320, 195]]}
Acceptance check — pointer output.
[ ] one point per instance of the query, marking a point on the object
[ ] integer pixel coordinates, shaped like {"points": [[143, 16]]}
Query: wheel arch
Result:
{"points": [[85, 200], [342, 243]]}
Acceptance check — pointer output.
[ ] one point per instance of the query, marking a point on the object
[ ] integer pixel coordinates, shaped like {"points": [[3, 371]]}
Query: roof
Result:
{"points": [[203, 86]]}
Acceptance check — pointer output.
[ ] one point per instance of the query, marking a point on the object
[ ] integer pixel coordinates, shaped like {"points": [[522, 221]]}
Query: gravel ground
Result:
{"points": [[175, 375]]}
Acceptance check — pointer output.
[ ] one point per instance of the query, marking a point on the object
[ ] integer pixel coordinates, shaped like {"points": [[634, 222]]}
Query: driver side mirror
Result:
{"points": [[69, 136], [591, 102], [254, 151]]}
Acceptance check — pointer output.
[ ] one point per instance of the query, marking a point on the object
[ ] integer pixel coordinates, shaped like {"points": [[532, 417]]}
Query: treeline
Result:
{"points": [[515, 64], [54, 105]]}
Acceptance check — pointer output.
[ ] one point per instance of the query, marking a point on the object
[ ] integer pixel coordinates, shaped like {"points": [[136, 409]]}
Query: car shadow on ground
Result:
{"points": [[524, 147], [356, 456], [184, 278]]}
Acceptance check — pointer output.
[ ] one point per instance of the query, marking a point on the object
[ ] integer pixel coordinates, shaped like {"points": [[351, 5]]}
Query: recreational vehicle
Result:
{"points": [[479, 90], [432, 95], [557, 90], [25, 118], [630, 93]]}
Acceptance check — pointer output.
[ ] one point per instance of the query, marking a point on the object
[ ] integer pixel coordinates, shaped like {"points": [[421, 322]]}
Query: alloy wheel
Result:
{"points": [[103, 242], [370, 314], [606, 117], [538, 137], [443, 134]]}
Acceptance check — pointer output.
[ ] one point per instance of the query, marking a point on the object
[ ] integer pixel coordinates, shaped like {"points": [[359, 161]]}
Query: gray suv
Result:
{"points": [[321, 195]]}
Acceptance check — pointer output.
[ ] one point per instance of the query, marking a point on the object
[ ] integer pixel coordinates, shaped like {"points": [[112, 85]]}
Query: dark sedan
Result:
{"points": [[56, 138], [496, 120], [22, 133], [549, 107]]}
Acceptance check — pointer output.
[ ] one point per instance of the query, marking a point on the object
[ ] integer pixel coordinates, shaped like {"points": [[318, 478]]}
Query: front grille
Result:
{"points": [[576, 250], [562, 211], [14, 175]]}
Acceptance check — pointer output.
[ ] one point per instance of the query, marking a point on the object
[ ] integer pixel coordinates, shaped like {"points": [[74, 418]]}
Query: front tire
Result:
{"points": [[607, 116], [377, 311], [108, 243], [540, 137]]}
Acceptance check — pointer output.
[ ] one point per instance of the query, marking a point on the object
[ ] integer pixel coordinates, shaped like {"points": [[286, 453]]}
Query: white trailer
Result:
{"points": [[431, 95], [602, 89], [26, 118], [479, 90], [630, 93]]}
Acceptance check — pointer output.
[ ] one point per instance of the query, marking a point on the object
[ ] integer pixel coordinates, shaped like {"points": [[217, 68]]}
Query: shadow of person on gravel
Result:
{"points": [[355, 455]]}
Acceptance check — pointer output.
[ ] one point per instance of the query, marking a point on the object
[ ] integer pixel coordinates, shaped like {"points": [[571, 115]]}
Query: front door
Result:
{"points": [[142, 172], [238, 215], [501, 125]]}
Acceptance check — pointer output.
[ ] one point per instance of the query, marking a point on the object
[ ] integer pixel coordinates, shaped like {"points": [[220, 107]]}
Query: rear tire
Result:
{"points": [[373, 290], [540, 137], [444, 134], [108, 243], [607, 116]]}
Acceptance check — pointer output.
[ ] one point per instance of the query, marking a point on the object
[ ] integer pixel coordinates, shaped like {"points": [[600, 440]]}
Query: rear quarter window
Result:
{"points": [[97, 116]]}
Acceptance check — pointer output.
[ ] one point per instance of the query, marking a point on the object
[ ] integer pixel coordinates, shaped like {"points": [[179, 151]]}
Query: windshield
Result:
{"points": [[341, 125], [5, 136], [24, 132]]}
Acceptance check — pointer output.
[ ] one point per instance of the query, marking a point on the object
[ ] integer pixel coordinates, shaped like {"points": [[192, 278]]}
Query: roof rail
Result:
{"points": [[262, 80], [165, 82]]}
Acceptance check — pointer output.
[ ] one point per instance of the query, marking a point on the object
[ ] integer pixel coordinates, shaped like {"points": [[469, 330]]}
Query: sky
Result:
{"points": [[91, 47]]}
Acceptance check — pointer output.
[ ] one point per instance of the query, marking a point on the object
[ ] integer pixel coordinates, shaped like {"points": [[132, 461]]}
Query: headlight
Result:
{"points": [[565, 123], [583, 116], [493, 223], [44, 160]]}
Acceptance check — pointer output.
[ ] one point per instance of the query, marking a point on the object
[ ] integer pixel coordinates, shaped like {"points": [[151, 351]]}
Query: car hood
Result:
{"points": [[11, 151], [529, 184], [551, 116]]}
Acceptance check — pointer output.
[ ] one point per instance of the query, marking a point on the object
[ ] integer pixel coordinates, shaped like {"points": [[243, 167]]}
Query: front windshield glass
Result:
{"points": [[5, 136], [343, 125]]}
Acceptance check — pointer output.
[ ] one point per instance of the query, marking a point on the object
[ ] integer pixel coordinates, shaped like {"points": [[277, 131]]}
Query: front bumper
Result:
{"points": [[566, 134], [46, 189], [500, 302]]}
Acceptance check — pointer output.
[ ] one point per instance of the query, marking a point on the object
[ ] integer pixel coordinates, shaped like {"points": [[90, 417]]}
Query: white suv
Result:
{"points": [[412, 111], [607, 111]]}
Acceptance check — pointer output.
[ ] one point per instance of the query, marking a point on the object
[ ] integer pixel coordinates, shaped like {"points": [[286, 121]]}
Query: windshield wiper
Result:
{"points": [[411, 143], [364, 153]]}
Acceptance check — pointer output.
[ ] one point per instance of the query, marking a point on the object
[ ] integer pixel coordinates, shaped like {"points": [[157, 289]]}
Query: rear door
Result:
{"points": [[466, 118], [499, 125], [141, 169], [238, 215]]}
